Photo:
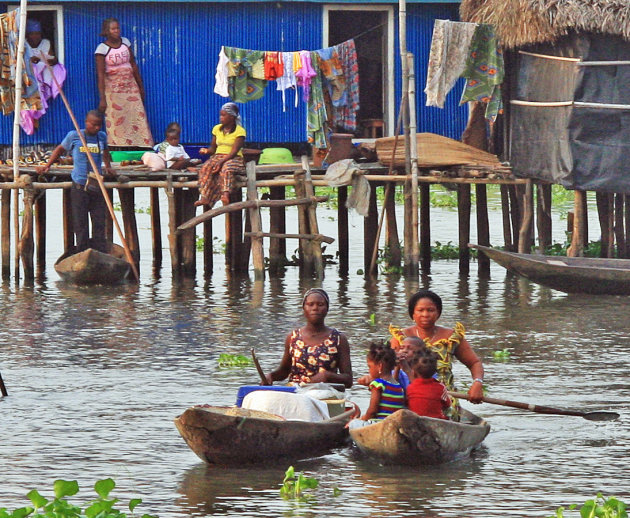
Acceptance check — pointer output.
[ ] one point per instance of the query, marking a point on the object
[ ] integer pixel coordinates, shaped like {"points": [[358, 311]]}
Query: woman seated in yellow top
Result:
{"points": [[226, 160]]}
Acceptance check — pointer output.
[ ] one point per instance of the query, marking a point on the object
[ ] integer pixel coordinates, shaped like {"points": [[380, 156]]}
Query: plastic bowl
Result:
{"points": [[276, 155]]}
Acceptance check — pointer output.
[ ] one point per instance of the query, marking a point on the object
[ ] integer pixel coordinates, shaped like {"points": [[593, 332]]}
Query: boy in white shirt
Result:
{"points": [[175, 154]]}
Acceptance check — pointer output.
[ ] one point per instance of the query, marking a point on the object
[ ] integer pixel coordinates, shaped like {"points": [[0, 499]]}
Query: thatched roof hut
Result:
{"points": [[566, 92]]}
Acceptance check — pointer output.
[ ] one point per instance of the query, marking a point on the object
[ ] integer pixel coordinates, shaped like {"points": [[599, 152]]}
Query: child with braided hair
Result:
{"points": [[387, 395], [426, 396]]}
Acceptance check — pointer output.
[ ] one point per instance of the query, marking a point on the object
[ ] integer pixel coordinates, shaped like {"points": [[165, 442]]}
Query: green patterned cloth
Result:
{"points": [[484, 71], [245, 70], [316, 116]]}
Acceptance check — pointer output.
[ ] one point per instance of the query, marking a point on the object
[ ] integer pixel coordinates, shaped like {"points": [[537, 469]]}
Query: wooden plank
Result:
{"points": [[312, 237], [258, 256]]}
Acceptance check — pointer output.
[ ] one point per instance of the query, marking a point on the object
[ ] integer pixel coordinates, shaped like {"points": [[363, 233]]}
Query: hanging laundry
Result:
{"points": [[246, 74], [334, 80], [484, 71], [287, 80], [274, 66], [221, 76], [305, 74], [8, 62], [447, 58], [345, 117], [316, 116]]}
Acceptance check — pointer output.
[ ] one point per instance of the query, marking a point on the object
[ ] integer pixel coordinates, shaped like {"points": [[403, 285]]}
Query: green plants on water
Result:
{"points": [[598, 507], [295, 484], [372, 319], [60, 507], [218, 246], [233, 360], [503, 355]]}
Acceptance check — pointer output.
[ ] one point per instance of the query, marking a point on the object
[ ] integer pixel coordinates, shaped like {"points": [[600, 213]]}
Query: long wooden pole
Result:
{"points": [[414, 254], [95, 175]]}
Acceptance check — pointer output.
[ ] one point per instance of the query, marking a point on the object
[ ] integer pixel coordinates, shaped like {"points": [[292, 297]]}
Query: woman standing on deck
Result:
{"points": [[425, 308], [121, 90], [226, 148], [315, 353]]}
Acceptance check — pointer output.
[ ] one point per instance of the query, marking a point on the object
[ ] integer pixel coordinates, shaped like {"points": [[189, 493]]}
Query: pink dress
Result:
{"points": [[125, 117]]}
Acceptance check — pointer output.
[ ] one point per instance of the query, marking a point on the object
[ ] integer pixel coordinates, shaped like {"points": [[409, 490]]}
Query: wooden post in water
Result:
{"points": [[515, 215], [172, 224], [620, 234], [425, 227], [156, 227], [505, 212], [370, 227], [128, 207], [524, 234], [463, 212], [109, 222], [605, 213], [40, 230], [577, 235], [408, 231], [239, 260], [391, 229], [258, 256], [627, 225], [68, 227], [307, 263], [5, 233], [483, 227], [543, 215], [316, 247], [208, 250], [342, 230], [26, 247], [188, 238], [277, 225]]}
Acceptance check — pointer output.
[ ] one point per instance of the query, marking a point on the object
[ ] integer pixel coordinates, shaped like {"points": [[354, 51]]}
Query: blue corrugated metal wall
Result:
{"points": [[177, 44]]}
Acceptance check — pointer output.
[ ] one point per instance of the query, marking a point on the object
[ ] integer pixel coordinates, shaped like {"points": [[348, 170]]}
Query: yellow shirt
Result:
{"points": [[225, 143]]}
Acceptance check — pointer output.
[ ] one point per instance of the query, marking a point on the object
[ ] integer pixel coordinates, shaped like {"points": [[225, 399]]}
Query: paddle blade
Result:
{"points": [[601, 416]]}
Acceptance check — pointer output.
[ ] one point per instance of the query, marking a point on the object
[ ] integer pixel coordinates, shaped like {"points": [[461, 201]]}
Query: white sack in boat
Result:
{"points": [[293, 407]]}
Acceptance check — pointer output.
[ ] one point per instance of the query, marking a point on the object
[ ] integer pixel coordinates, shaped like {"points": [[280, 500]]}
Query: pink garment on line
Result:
{"points": [[47, 90], [305, 75]]}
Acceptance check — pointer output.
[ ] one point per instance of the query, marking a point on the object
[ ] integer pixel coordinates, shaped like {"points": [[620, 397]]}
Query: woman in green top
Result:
{"points": [[226, 160]]}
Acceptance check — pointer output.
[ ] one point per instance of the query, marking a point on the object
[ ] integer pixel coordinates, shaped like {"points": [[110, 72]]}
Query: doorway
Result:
{"points": [[372, 31]]}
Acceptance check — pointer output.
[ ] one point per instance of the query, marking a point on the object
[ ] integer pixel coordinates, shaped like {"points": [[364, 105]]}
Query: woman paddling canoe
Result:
{"points": [[425, 308], [315, 352]]}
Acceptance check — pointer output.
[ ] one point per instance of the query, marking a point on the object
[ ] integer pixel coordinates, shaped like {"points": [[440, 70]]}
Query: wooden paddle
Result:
{"points": [[261, 373], [591, 416]]}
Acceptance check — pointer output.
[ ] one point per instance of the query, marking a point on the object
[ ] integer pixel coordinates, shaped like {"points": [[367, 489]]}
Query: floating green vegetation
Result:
{"points": [[295, 484], [592, 249], [102, 507], [599, 507], [233, 360], [218, 246], [372, 319], [502, 355]]}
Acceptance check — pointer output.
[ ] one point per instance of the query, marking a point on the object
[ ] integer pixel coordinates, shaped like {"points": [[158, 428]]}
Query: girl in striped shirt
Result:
{"points": [[387, 395]]}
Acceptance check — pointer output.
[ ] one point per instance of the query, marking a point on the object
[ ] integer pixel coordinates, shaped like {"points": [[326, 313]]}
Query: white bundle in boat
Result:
{"points": [[293, 407]]}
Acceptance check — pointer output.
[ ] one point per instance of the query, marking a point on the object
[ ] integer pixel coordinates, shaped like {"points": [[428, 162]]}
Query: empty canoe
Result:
{"points": [[92, 267]]}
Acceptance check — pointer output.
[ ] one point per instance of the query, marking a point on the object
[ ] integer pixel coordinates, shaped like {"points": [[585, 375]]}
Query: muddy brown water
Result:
{"points": [[96, 376]]}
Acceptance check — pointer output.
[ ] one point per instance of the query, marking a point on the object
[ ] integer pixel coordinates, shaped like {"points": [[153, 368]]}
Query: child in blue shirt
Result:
{"points": [[85, 195]]}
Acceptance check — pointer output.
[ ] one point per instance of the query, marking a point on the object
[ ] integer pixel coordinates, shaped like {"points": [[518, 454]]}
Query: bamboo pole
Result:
{"points": [[413, 253], [425, 227], [258, 256]]}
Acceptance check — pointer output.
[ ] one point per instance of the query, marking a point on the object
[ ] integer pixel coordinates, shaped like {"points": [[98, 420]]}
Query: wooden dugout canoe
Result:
{"points": [[92, 267], [233, 436], [592, 275], [407, 438]]}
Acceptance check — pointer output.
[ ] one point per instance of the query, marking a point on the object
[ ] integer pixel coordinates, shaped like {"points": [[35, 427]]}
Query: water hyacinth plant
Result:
{"points": [[599, 507], [60, 507]]}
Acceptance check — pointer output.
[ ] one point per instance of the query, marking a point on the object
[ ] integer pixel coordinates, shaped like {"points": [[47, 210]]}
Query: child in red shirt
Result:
{"points": [[426, 396]]}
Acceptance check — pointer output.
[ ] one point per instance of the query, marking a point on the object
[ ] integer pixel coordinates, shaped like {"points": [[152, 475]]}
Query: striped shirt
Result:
{"points": [[392, 397]]}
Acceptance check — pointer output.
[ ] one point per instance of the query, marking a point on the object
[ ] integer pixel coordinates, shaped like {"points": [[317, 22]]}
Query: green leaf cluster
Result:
{"points": [[503, 355], [59, 507], [295, 484], [234, 360], [599, 507]]}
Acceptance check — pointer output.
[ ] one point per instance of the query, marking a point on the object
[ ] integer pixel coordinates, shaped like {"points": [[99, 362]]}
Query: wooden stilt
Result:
{"points": [[606, 223], [156, 227], [543, 215], [258, 256], [316, 247], [394, 255], [463, 212], [515, 214], [277, 224], [239, 260], [620, 234], [40, 230], [507, 225], [342, 230], [172, 225], [584, 202], [524, 236], [5, 233], [370, 226], [579, 215], [627, 226], [68, 227], [408, 231], [307, 264], [189, 237], [128, 206], [425, 227], [208, 251], [109, 222], [26, 246], [483, 227]]}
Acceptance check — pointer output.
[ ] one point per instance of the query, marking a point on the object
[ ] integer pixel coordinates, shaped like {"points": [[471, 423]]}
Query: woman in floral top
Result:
{"points": [[315, 353]]}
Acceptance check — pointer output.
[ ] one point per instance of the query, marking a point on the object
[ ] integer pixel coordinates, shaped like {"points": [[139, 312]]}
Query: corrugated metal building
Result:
{"points": [[177, 44]]}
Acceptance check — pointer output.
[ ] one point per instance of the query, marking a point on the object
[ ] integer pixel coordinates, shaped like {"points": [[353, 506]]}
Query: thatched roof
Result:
{"points": [[523, 22]]}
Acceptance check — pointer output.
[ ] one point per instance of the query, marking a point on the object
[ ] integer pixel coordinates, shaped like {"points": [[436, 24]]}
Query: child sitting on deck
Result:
{"points": [[426, 396], [387, 394]]}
